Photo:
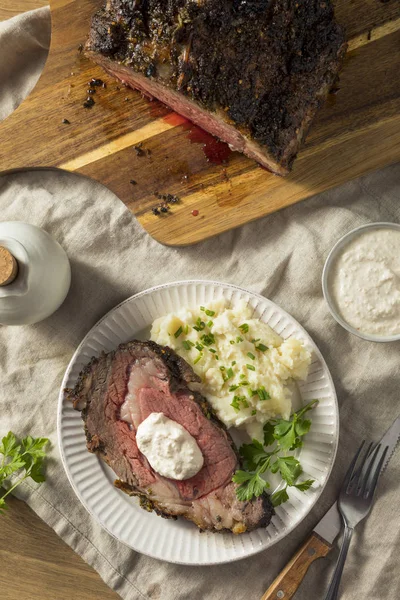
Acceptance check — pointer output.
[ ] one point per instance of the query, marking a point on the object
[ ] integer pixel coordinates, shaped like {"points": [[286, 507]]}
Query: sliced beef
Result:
{"points": [[117, 391], [252, 72]]}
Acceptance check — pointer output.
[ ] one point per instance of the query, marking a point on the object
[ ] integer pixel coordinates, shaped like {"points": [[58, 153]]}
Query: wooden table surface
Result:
{"points": [[35, 564]]}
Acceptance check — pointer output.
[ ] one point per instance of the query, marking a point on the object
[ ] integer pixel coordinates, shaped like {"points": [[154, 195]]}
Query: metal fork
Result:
{"points": [[355, 502]]}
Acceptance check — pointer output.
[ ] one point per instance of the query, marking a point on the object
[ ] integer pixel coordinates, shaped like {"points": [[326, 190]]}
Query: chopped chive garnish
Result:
{"points": [[252, 393], [233, 388], [196, 360], [187, 344], [254, 412], [263, 394], [251, 368], [261, 347], [254, 341], [229, 373], [250, 355], [232, 342], [208, 339], [199, 325], [235, 403], [216, 356], [209, 313], [212, 350], [244, 383], [199, 347], [178, 332], [244, 328], [237, 400], [186, 329], [233, 363], [239, 339], [222, 368], [210, 324], [242, 376]]}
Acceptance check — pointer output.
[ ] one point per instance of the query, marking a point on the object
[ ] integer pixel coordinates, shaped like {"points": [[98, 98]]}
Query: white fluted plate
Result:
{"points": [[180, 541]]}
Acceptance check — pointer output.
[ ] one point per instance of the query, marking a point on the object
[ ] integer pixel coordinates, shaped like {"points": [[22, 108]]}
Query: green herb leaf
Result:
{"points": [[187, 344], [230, 373], [286, 435], [279, 497], [36, 472], [252, 454], [302, 427], [249, 488], [268, 434], [304, 485], [244, 328], [250, 355], [251, 367], [289, 468], [26, 456], [8, 444], [3, 506]]}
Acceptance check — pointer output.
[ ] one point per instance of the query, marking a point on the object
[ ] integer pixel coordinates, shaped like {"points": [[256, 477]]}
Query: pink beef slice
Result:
{"points": [[140, 378], [251, 72]]}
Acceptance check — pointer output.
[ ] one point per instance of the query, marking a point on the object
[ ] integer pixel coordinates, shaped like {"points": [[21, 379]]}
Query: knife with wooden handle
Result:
{"points": [[320, 542]]}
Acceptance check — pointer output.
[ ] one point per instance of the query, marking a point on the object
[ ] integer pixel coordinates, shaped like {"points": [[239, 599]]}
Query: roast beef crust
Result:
{"points": [[265, 65]]}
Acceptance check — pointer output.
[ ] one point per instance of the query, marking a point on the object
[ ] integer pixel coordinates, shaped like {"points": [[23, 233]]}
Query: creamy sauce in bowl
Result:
{"points": [[364, 281]]}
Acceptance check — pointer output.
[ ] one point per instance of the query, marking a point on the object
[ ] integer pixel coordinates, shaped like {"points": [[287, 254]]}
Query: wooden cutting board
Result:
{"points": [[357, 131]]}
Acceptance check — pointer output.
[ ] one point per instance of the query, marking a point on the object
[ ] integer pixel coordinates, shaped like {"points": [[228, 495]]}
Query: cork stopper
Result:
{"points": [[8, 267]]}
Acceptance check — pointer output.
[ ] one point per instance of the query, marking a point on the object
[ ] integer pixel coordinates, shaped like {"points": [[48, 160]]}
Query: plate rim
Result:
{"points": [[206, 282]]}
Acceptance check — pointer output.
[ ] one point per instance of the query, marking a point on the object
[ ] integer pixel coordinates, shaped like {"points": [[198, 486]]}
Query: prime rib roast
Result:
{"points": [[251, 72], [132, 382]]}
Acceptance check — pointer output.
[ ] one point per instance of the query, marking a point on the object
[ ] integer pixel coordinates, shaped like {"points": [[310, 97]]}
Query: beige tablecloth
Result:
{"points": [[280, 256]]}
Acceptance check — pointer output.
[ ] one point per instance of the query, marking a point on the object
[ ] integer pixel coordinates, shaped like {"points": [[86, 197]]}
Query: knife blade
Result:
{"points": [[323, 535]]}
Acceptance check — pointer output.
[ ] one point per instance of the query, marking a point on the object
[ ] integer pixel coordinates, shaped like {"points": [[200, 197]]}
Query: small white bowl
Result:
{"points": [[346, 239]]}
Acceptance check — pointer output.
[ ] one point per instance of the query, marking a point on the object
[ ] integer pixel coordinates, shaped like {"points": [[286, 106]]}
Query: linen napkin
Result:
{"points": [[24, 45], [280, 256]]}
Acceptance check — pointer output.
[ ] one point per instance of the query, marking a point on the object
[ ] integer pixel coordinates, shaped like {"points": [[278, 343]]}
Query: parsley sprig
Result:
{"points": [[286, 435], [25, 456]]}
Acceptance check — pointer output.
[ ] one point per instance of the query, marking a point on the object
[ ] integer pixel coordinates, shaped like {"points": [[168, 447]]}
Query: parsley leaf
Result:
{"points": [[279, 497], [289, 468], [251, 487], [304, 485], [269, 434], [8, 444], [285, 435], [252, 454], [26, 456]]}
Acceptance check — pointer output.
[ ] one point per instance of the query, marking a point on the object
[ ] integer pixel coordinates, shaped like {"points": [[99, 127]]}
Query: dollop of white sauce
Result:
{"points": [[365, 282], [170, 449]]}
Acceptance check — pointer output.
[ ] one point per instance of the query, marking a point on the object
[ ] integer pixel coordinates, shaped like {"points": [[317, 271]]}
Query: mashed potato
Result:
{"points": [[245, 367]]}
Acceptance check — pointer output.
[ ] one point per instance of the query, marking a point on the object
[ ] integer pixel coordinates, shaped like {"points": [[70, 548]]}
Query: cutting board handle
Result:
{"points": [[286, 584]]}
